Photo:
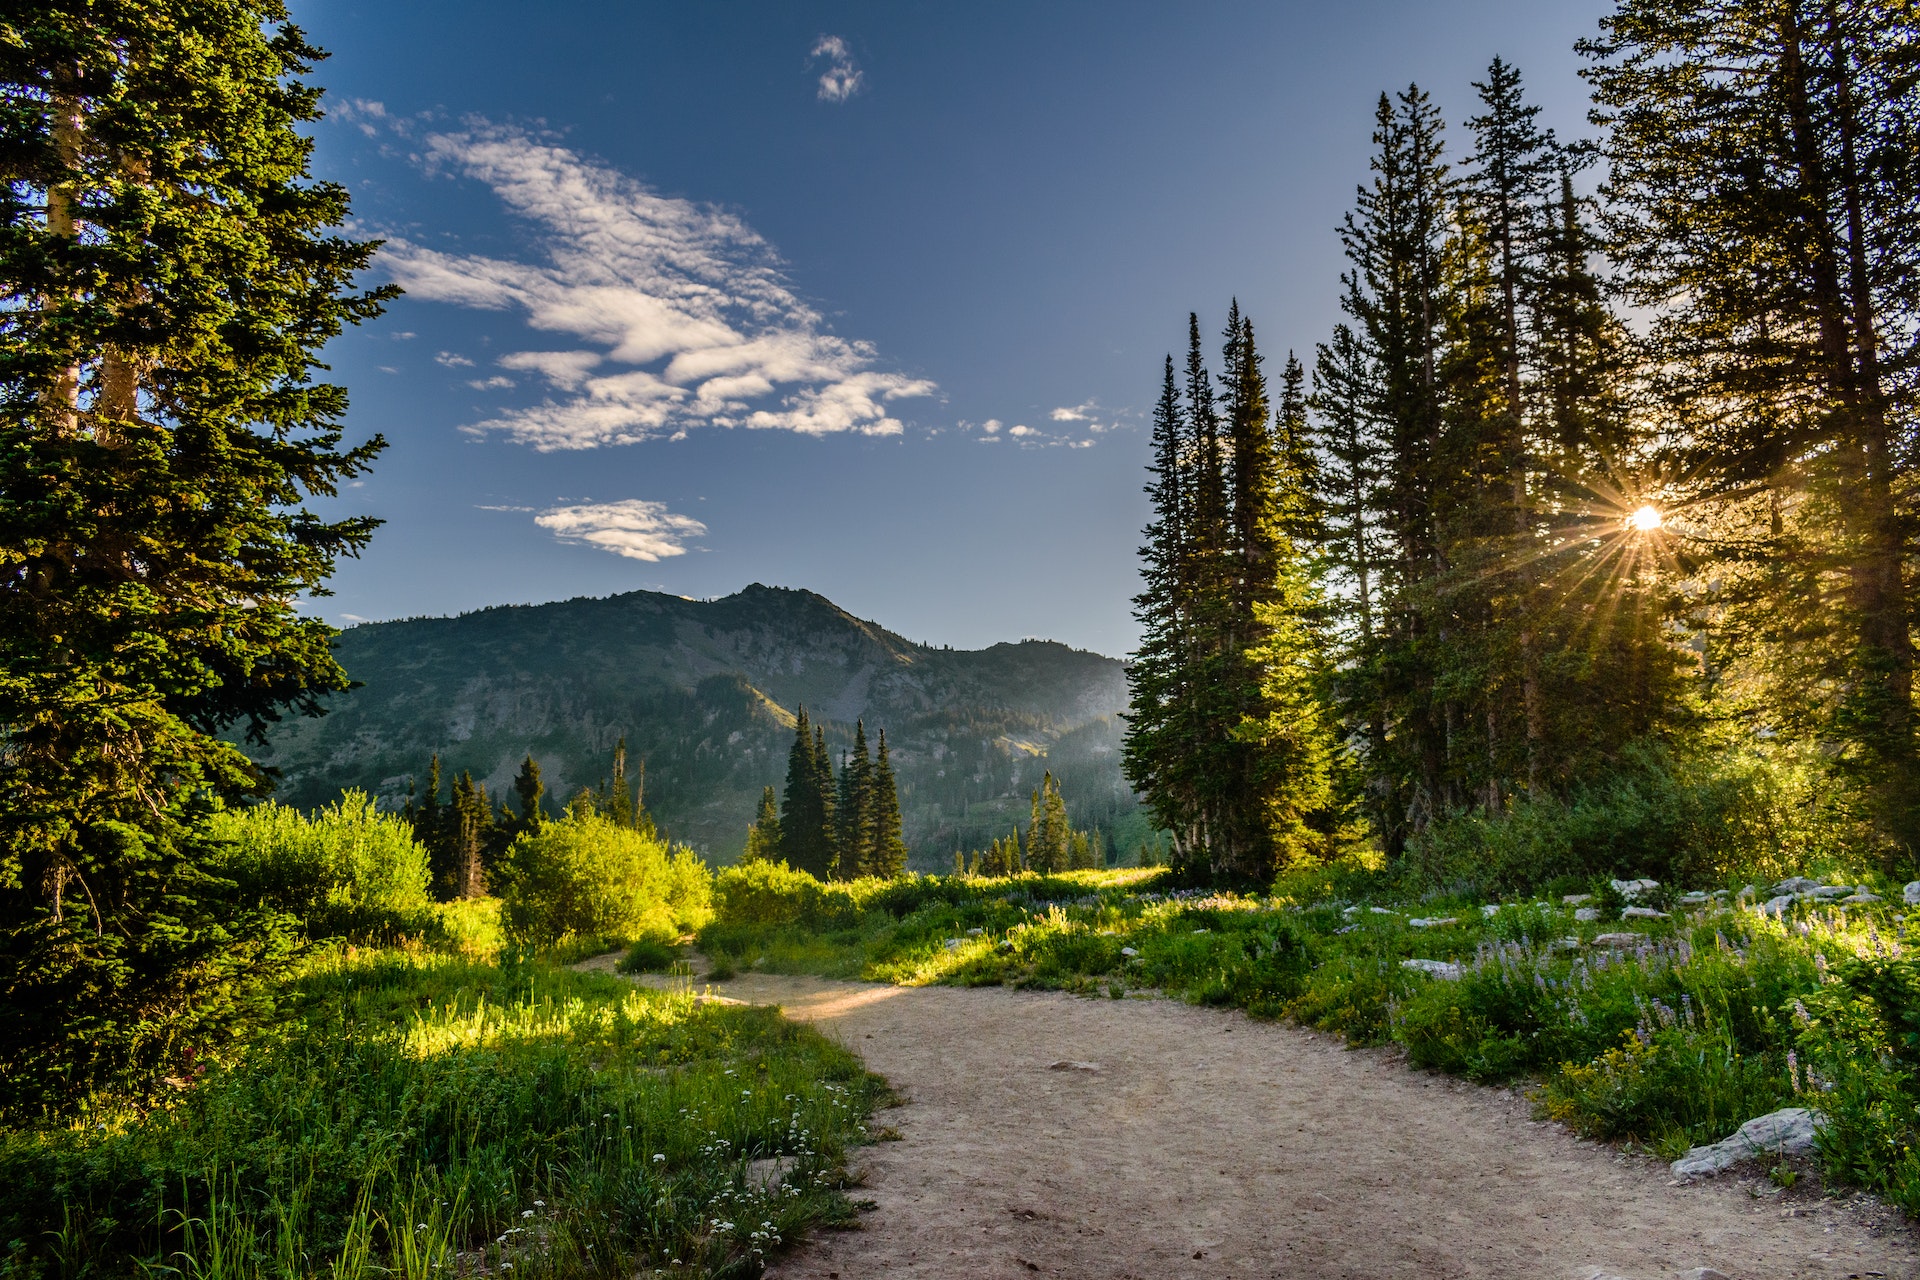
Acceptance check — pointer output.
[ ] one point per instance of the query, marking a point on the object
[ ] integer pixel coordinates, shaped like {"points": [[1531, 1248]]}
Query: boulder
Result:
{"points": [[1796, 884], [1620, 941], [1445, 971], [1642, 913], [1575, 899], [1778, 906], [1586, 915], [1911, 894], [1862, 897], [1695, 899], [1432, 922], [1787, 1131], [1828, 892], [1489, 908], [1631, 889]]}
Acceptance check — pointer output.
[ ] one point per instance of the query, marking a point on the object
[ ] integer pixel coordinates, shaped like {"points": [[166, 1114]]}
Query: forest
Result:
{"points": [[1585, 545], [1525, 681]]}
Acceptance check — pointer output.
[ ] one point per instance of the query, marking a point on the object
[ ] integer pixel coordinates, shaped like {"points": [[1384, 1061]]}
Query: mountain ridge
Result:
{"points": [[705, 691]]}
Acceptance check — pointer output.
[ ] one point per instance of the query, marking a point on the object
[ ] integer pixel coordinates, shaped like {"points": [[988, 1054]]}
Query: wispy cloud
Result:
{"points": [[635, 529], [841, 80], [452, 361], [679, 315]]}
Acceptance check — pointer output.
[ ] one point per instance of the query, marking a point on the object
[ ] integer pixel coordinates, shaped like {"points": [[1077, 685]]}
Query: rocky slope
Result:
{"points": [[704, 692]]}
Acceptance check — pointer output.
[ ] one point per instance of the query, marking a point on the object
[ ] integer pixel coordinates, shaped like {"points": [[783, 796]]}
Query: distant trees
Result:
{"points": [[845, 825], [763, 836], [1052, 844]]}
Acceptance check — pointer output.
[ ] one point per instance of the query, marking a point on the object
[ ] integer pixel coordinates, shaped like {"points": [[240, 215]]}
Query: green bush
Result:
{"points": [[586, 875], [649, 955], [344, 871]]}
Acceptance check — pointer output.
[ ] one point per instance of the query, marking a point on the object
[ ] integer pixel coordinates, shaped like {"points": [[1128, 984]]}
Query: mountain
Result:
{"points": [[705, 693]]}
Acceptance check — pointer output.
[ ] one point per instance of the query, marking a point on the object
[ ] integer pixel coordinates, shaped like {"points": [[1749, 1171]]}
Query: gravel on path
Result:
{"points": [[1049, 1134]]}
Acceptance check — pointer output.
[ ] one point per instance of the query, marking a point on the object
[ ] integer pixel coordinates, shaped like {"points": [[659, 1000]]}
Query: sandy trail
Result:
{"points": [[1206, 1144]]}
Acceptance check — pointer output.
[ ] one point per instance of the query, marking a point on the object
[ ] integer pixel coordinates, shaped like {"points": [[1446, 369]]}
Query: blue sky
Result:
{"points": [[864, 298]]}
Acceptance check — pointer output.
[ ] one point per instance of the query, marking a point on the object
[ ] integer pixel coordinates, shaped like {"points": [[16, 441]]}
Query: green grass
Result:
{"points": [[432, 1115], [1671, 1043]]}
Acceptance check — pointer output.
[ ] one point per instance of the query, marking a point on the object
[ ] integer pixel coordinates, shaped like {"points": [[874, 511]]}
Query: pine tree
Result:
{"points": [[806, 839], [853, 809], [172, 272], [1765, 218], [887, 846], [618, 803], [529, 790], [1049, 835], [763, 835], [469, 823]]}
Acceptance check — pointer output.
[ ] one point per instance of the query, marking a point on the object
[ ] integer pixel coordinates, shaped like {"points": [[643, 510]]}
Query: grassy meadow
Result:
{"points": [[1665, 1030]]}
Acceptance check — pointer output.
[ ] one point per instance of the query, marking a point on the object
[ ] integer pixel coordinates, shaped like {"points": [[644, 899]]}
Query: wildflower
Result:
{"points": [[526, 1213], [658, 1158], [1793, 1069]]}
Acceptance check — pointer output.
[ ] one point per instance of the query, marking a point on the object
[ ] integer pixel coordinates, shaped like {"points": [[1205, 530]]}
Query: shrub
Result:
{"points": [[345, 871], [649, 955], [772, 893], [588, 875]]}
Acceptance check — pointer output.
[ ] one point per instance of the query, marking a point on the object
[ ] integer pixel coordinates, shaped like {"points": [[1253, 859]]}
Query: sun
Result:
{"points": [[1646, 519]]}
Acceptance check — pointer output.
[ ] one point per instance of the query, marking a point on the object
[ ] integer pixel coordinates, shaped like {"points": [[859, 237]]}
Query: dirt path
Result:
{"points": [[1205, 1144]]}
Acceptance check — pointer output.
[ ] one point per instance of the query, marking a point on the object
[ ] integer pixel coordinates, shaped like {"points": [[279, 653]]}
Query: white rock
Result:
{"points": [[1382, 911], [974, 933], [1862, 896], [1796, 884], [1827, 892], [1586, 915], [1128, 952], [1437, 968], [1911, 894], [1777, 906], [1620, 941], [1631, 889], [1694, 899], [1783, 1132], [953, 944], [1433, 922], [1350, 912], [1489, 908], [1575, 899], [1642, 913]]}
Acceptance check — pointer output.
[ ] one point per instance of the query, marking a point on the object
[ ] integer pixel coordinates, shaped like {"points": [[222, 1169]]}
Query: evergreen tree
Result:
{"points": [[1765, 216], [887, 847], [618, 801], [529, 790], [171, 273], [1049, 835], [806, 839], [763, 836], [469, 832], [854, 809]]}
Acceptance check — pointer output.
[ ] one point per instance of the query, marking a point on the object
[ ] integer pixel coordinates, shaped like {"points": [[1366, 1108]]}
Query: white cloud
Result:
{"points": [[495, 383], [452, 361], [351, 617], [683, 313], [1021, 430], [632, 528], [991, 426], [841, 80], [1078, 413]]}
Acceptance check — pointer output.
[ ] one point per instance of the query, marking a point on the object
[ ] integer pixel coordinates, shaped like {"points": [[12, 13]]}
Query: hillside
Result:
{"points": [[704, 692]]}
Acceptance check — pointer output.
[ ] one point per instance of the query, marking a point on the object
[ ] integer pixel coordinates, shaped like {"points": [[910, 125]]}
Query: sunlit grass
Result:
{"points": [[428, 1115]]}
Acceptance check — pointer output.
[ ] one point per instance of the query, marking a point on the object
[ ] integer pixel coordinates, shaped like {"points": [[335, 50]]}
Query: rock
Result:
{"points": [[1489, 908], [974, 933], [1777, 906], [1382, 911], [953, 944], [1350, 912], [1911, 894], [1433, 922], [1784, 1132], [1862, 896], [1642, 913], [1828, 892], [1796, 884], [1620, 941], [1575, 899], [1128, 952], [1631, 889], [1440, 969], [1704, 1273], [1068, 1064], [1694, 899], [1564, 944], [1586, 915]]}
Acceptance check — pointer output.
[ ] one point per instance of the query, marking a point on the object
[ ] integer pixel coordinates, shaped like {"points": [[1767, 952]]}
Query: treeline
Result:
{"points": [[1052, 844], [1580, 479], [833, 826], [466, 836]]}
